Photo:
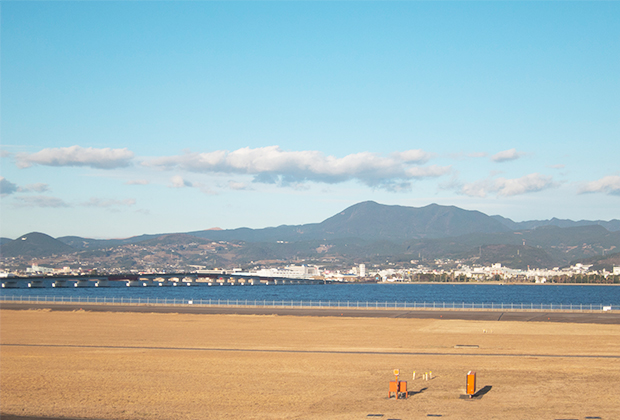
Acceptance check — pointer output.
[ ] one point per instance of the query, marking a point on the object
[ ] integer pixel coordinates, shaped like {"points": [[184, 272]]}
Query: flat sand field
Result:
{"points": [[98, 365]]}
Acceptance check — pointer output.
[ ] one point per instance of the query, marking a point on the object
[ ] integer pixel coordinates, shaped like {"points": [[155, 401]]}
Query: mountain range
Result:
{"points": [[370, 231]]}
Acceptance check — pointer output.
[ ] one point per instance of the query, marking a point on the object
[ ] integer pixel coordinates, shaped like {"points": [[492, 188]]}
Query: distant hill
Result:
{"points": [[85, 243], [561, 246], [365, 232], [35, 245], [607, 262], [5, 240], [174, 238], [611, 225], [373, 221], [370, 220]]}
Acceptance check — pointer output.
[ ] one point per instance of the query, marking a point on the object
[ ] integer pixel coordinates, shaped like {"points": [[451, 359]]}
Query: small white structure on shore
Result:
{"points": [[291, 272]]}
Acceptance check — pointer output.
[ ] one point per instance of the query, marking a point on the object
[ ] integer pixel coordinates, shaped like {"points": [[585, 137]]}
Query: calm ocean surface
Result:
{"points": [[410, 293]]}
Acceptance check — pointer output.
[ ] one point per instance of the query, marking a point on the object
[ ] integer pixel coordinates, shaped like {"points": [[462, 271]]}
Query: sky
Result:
{"points": [[127, 118]]}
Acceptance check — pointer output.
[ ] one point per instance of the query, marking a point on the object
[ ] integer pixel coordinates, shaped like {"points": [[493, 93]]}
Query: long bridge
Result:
{"points": [[155, 279]]}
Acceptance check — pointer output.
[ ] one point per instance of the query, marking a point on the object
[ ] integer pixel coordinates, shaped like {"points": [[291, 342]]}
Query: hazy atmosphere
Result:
{"points": [[123, 118]]}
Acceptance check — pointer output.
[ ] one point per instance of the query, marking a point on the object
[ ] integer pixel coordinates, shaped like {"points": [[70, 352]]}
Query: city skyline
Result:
{"points": [[126, 118]]}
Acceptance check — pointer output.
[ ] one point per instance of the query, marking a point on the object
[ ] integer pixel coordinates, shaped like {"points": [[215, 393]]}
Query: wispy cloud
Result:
{"points": [[237, 185], [432, 171], [77, 156], [608, 185], [508, 187], [178, 181], [106, 203], [7, 187], [41, 201], [477, 155], [274, 165], [506, 155], [38, 187], [137, 182]]}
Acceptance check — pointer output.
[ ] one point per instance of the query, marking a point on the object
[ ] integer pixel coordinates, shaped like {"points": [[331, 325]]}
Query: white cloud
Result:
{"points": [[433, 171], [77, 156], [476, 189], [41, 201], [506, 155], [508, 187], [178, 182], [98, 202], [608, 185], [526, 184], [274, 165]]}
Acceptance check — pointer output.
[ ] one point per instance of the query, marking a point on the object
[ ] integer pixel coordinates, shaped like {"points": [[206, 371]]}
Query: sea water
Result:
{"points": [[452, 294]]}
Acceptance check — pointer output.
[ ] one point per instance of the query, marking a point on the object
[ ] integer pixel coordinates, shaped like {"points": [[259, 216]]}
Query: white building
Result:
{"points": [[37, 269], [291, 272]]}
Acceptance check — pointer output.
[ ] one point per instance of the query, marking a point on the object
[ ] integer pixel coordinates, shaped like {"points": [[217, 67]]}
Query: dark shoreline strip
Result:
{"points": [[596, 317], [382, 353]]}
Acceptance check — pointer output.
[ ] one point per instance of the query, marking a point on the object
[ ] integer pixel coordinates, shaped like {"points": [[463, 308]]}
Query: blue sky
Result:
{"points": [[123, 118]]}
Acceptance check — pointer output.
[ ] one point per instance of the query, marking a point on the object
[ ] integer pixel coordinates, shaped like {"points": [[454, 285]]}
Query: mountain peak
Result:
{"points": [[370, 220], [34, 244]]}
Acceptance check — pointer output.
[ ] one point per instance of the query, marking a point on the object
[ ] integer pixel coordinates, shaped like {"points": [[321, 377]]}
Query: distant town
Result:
{"points": [[415, 271]]}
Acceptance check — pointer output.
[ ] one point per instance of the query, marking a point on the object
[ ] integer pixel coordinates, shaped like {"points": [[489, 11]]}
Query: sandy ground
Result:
{"points": [[99, 365]]}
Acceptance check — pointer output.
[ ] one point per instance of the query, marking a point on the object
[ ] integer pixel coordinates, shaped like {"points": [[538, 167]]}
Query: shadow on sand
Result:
{"points": [[481, 393], [411, 393]]}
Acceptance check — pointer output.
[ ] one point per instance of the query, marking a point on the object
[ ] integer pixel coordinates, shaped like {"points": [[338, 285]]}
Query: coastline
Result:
{"points": [[499, 315], [496, 283], [83, 364]]}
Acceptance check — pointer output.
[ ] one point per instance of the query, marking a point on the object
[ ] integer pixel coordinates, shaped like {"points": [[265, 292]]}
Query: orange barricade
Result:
{"points": [[396, 388], [471, 384]]}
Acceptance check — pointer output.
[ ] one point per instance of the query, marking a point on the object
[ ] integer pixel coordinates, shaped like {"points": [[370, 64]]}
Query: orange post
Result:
{"points": [[471, 383]]}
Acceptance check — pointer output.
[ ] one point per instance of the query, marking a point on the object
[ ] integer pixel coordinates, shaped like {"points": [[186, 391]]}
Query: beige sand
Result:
{"points": [[171, 366]]}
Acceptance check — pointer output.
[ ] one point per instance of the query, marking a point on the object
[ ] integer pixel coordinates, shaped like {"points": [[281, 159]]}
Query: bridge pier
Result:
{"points": [[188, 281], [36, 284]]}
